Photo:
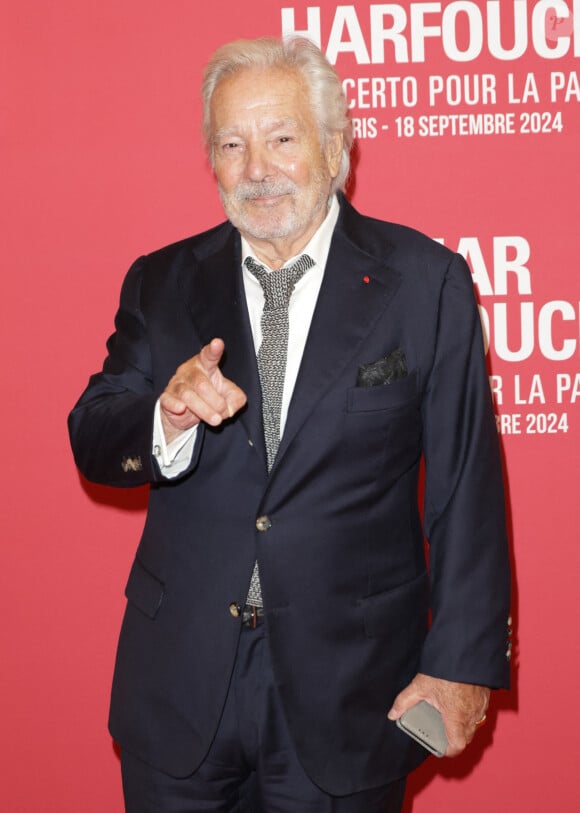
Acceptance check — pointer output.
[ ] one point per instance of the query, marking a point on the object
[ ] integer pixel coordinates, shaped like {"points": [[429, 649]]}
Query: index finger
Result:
{"points": [[210, 354]]}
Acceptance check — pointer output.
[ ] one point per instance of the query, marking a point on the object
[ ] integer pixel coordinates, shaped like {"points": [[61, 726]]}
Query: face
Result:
{"points": [[273, 174]]}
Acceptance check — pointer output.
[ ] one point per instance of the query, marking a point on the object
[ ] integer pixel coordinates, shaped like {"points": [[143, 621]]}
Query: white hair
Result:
{"points": [[327, 98]]}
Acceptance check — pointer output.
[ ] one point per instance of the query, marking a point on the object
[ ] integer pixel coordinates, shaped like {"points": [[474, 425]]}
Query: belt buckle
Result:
{"points": [[251, 616], [254, 617]]}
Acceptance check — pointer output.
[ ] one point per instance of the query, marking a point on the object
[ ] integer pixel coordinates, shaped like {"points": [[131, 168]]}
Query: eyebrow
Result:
{"points": [[269, 124]]}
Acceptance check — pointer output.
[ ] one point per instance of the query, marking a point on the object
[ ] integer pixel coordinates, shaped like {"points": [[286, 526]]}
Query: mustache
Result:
{"points": [[250, 190]]}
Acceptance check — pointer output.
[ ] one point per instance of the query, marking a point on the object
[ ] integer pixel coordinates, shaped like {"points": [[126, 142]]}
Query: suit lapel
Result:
{"points": [[218, 307], [355, 291]]}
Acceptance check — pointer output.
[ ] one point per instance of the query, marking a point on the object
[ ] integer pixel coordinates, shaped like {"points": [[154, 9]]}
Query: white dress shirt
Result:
{"points": [[174, 457]]}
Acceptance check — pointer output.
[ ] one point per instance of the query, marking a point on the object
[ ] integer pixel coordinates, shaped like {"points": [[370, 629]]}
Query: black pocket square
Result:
{"points": [[391, 368]]}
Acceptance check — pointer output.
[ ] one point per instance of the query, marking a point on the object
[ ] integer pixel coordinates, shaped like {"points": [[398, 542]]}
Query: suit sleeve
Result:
{"points": [[111, 426], [464, 500]]}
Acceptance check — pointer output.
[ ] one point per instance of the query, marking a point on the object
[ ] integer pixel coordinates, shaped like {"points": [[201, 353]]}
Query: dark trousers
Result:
{"points": [[251, 766]]}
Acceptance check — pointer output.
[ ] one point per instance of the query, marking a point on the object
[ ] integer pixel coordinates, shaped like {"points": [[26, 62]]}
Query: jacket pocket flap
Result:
{"points": [[144, 590], [386, 612]]}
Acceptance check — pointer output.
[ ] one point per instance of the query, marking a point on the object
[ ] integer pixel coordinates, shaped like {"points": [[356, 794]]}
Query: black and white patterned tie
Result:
{"points": [[278, 287]]}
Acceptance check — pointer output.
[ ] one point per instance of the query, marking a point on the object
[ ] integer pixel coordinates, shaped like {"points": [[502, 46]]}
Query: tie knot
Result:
{"points": [[278, 285]]}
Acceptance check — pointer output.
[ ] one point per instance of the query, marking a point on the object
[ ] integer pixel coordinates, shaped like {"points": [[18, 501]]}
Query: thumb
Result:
{"points": [[403, 701]]}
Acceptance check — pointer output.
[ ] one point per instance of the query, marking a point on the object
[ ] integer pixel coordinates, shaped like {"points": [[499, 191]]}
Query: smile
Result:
{"points": [[267, 200]]}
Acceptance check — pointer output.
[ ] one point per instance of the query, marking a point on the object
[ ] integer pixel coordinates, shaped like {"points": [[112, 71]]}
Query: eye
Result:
{"points": [[229, 147]]}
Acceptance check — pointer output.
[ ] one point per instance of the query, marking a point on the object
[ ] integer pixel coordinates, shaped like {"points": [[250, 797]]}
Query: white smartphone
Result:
{"points": [[424, 723]]}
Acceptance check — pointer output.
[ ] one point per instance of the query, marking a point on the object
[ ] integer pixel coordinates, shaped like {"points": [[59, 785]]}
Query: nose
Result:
{"points": [[257, 162]]}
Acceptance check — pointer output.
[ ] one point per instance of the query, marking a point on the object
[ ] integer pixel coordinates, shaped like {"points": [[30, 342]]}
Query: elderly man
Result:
{"points": [[278, 380]]}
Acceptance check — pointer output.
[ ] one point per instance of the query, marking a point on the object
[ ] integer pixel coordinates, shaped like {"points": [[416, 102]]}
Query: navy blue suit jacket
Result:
{"points": [[346, 590]]}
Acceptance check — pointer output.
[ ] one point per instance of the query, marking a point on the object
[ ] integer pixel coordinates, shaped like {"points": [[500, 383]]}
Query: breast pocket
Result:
{"points": [[393, 396]]}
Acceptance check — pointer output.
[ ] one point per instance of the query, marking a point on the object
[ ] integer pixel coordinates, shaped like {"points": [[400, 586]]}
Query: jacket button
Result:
{"points": [[263, 523], [234, 609]]}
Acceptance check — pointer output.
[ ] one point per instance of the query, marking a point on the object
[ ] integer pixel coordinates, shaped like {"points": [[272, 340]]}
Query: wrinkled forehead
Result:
{"points": [[260, 94]]}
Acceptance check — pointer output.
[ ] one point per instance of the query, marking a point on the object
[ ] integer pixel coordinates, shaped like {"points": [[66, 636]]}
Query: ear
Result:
{"points": [[333, 153]]}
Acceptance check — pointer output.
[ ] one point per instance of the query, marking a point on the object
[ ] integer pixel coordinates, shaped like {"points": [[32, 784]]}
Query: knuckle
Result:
{"points": [[202, 386], [179, 389]]}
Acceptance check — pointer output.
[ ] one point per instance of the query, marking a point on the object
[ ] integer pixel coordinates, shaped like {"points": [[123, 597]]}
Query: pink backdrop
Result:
{"points": [[469, 130]]}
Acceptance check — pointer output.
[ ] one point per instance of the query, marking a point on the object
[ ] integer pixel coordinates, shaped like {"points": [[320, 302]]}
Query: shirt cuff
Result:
{"points": [[172, 458]]}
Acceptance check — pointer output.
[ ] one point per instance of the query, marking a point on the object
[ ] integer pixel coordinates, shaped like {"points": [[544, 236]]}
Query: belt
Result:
{"points": [[252, 616]]}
